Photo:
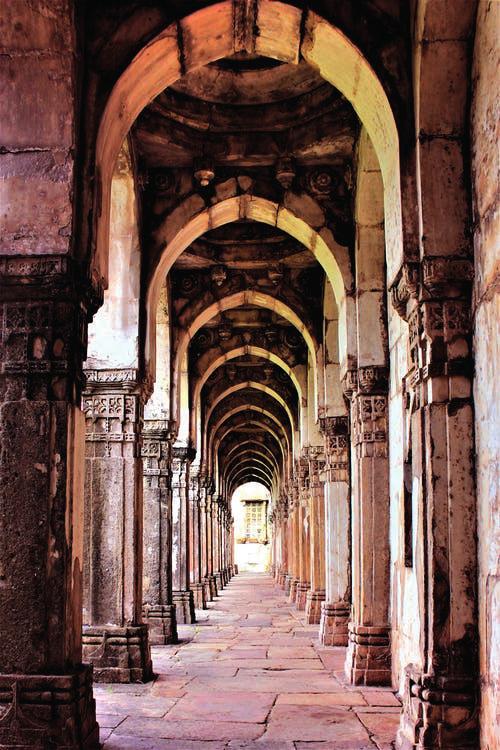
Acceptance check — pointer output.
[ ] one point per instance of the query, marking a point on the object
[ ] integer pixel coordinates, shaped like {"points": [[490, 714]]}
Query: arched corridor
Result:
{"points": [[250, 674], [248, 374]]}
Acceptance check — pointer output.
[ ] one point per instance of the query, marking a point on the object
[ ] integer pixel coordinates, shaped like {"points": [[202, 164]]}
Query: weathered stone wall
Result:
{"points": [[37, 109], [486, 311]]}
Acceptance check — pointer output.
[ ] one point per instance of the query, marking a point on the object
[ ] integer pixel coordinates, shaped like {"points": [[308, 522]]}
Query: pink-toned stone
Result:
{"points": [[235, 706]]}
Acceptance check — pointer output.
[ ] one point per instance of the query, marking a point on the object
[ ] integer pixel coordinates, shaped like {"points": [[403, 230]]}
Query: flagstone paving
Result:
{"points": [[249, 675]]}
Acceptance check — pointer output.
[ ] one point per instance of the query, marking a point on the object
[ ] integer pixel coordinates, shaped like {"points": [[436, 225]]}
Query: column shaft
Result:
{"points": [[45, 690], [115, 639]]}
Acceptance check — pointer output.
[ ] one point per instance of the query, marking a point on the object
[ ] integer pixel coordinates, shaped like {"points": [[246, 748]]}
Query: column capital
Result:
{"points": [[44, 310]]}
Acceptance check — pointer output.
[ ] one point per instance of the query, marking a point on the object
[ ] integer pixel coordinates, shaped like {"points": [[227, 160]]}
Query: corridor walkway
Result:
{"points": [[249, 674]]}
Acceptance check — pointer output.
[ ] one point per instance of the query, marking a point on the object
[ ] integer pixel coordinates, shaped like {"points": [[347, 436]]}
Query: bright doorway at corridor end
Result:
{"points": [[250, 510]]}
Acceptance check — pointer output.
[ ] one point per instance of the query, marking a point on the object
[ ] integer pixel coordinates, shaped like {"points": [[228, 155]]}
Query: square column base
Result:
{"points": [[314, 600], [439, 713], [288, 585], [206, 588], [118, 654], [219, 579], [48, 711], [301, 599], [230, 571], [334, 622], [184, 607], [198, 590], [368, 659], [161, 620], [281, 579], [212, 584], [236, 571]]}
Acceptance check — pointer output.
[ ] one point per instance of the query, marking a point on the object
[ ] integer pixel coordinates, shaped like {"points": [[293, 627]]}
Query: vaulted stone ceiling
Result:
{"points": [[247, 125]]}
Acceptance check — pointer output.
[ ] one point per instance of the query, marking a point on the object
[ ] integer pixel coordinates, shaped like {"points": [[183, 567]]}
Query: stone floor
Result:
{"points": [[249, 674]]}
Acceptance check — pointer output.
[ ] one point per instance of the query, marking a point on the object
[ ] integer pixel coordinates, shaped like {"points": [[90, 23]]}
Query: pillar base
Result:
{"points": [[208, 592], [288, 584], [219, 580], [212, 584], [368, 659], [161, 620], [236, 571], [438, 713], [184, 607], [292, 596], [230, 570], [302, 590], [282, 579], [118, 654], [198, 590], [314, 600], [42, 711], [334, 622]]}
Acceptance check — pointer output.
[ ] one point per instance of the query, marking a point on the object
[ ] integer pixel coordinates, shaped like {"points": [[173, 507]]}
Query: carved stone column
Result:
{"points": [[316, 594], [440, 698], [368, 660], [45, 690], [204, 550], [336, 608], [182, 596], [158, 611], [115, 639], [195, 541], [294, 580], [216, 536], [304, 550], [210, 503]]}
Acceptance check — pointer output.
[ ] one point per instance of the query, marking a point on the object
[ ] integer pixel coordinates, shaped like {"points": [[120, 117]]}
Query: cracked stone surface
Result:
{"points": [[250, 674]]}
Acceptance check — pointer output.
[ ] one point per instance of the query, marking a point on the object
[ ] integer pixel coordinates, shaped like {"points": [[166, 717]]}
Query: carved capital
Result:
{"points": [[369, 424], [373, 379], [405, 287], [350, 383], [447, 276]]}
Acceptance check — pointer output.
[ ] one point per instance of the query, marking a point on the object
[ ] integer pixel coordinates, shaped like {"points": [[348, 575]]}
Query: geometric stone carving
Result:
{"points": [[118, 654], [44, 711]]}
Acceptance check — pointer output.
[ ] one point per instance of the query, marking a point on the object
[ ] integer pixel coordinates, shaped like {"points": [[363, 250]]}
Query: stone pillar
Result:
{"points": [[195, 541], [440, 695], [316, 594], [182, 596], [304, 551], [216, 536], [115, 639], [45, 690], [336, 608], [294, 581], [204, 531], [211, 580], [368, 660], [158, 611]]}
